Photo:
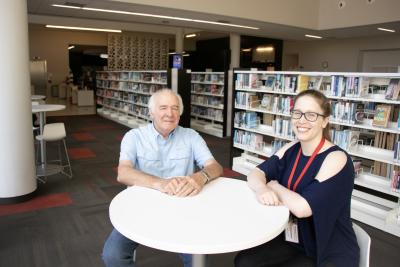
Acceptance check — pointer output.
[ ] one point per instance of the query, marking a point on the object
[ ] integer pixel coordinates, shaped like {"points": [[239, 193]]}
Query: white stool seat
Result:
{"points": [[52, 132]]}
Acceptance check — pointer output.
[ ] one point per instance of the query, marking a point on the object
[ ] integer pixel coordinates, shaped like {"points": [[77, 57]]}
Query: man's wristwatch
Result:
{"points": [[205, 175]]}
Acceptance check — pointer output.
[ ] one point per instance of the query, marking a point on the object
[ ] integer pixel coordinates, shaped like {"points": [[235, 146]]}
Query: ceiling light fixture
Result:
{"points": [[190, 35], [265, 49], [81, 28], [313, 36], [386, 30], [246, 50], [71, 47], [156, 16]]}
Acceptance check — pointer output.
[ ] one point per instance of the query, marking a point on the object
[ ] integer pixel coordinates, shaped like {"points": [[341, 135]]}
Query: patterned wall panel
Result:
{"points": [[134, 52]]}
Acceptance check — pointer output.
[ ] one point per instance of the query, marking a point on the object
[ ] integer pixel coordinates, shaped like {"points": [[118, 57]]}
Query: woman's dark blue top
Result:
{"points": [[327, 235]]}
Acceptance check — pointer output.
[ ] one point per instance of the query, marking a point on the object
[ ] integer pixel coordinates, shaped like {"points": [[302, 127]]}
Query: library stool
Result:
{"points": [[55, 132], [364, 242]]}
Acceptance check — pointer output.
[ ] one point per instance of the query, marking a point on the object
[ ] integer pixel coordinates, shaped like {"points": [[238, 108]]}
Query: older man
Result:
{"points": [[162, 156]]}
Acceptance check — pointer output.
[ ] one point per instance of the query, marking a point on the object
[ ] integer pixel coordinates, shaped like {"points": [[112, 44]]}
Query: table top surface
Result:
{"points": [[47, 107], [224, 217], [38, 97]]}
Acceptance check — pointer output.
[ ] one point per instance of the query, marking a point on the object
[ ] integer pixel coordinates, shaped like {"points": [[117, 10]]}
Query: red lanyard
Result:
{"points": [[314, 154]]}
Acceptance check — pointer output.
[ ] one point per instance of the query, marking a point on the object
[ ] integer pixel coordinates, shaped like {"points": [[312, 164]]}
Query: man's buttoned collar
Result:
{"points": [[155, 134]]}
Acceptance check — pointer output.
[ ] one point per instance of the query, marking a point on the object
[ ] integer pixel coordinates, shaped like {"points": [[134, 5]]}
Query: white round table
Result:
{"points": [[224, 217], [42, 109], [37, 97]]}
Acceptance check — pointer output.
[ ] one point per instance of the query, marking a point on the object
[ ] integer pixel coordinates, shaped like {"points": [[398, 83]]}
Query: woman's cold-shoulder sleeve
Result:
{"points": [[328, 200], [272, 168]]}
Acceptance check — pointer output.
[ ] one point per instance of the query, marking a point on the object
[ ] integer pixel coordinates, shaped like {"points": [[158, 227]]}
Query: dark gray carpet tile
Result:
{"points": [[112, 191]]}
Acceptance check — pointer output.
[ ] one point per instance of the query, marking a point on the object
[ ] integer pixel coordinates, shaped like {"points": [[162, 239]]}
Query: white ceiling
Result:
{"points": [[43, 8]]}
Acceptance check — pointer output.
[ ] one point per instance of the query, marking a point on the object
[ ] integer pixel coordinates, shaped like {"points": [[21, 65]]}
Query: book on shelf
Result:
{"points": [[253, 101], [395, 181], [363, 86], [269, 82], [302, 83], [254, 81], [357, 166], [266, 101], [268, 119], [398, 120], [315, 83], [392, 91], [382, 114]]}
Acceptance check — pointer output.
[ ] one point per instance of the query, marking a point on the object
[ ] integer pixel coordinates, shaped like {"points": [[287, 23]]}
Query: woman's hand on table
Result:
{"points": [[267, 197]]}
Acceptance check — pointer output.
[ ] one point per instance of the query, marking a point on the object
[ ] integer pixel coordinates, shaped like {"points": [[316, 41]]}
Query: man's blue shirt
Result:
{"points": [[177, 155]]}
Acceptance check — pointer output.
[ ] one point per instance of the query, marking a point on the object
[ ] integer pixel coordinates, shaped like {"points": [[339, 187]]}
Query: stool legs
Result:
{"points": [[69, 163]]}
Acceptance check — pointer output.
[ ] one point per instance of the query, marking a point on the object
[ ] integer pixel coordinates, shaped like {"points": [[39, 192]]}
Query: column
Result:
{"points": [[179, 39], [17, 166], [234, 44], [235, 50]]}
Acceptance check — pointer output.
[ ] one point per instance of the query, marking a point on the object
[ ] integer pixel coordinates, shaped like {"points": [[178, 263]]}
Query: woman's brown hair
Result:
{"points": [[323, 102]]}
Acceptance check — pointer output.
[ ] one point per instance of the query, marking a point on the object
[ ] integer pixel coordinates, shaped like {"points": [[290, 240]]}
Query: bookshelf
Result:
{"points": [[208, 103], [123, 95], [364, 121]]}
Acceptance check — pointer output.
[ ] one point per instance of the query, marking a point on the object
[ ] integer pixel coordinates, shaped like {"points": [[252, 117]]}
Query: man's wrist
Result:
{"points": [[205, 175]]}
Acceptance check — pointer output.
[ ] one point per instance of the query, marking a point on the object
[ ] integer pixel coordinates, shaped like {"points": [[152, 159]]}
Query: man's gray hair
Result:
{"points": [[154, 96]]}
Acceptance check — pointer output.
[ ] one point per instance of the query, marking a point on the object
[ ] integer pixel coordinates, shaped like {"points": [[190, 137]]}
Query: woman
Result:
{"points": [[313, 178]]}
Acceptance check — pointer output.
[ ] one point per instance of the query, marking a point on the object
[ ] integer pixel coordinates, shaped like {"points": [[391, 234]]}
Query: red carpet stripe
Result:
{"points": [[83, 136], [81, 153], [37, 203]]}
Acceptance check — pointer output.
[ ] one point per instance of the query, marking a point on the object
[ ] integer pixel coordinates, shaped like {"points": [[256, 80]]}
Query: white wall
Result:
{"points": [[357, 13], [52, 45], [341, 55]]}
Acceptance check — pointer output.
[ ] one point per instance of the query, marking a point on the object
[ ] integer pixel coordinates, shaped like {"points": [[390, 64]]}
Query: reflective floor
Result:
{"points": [[71, 109]]}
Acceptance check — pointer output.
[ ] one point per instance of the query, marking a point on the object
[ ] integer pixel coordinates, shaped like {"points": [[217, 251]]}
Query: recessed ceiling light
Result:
{"points": [[81, 28], [313, 36], [386, 30], [246, 49], [190, 35], [265, 49], [71, 47], [157, 16]]}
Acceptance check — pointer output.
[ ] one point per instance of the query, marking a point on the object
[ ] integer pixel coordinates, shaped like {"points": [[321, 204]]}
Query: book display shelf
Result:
{"points": [[208, 103], [123, 95], [364, 122]]}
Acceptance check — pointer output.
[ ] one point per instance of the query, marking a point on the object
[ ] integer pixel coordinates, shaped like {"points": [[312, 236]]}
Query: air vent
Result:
{"points": [[74, 4]]}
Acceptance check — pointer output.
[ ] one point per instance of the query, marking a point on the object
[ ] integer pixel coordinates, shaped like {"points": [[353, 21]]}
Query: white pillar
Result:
{"points": [[17, 167], [179, 38], [234, 40], [234, 45]]}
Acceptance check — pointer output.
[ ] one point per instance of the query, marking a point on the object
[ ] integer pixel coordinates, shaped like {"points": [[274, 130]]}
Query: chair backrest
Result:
{"points": [[364, 242]]}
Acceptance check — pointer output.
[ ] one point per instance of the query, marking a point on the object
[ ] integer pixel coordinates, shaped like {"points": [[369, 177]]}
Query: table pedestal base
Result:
{"points": [[199, 260]]}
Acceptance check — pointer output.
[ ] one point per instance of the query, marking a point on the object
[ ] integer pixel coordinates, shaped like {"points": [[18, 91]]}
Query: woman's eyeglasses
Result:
{"points": [[310, 116]]}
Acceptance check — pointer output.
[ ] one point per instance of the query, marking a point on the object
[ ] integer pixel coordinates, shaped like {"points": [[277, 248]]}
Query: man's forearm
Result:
{"points": [[213, 170], [130, 176]]}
